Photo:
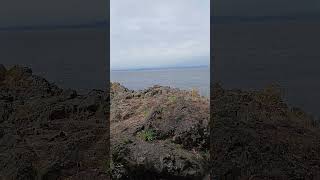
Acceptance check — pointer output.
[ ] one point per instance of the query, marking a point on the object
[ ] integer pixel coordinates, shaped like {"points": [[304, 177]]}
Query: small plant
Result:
{"points": [[127, 141], [147, 135], [109, 165], [146, 112], [172, 99]]}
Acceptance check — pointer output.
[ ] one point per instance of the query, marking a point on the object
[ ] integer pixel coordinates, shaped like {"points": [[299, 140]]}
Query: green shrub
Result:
{"points": [[172, 99], [147, 135]]}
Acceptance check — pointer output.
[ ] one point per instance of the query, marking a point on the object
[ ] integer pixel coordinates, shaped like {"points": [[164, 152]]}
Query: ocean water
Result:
{"points": [[74, 59], [254, 55], [182, 78]]}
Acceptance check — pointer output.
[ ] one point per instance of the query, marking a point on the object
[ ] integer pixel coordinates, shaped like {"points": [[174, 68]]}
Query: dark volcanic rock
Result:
{"points": [[50, 133], [254, 135]]}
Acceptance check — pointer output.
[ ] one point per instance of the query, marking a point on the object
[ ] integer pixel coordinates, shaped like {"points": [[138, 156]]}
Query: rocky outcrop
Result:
{"points": [[255, 135], [163, 133], [50, 133], [158, 133]]}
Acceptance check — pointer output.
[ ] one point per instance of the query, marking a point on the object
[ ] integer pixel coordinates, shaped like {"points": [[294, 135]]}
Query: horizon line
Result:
{"points": [[95, 24], [159, 68]]}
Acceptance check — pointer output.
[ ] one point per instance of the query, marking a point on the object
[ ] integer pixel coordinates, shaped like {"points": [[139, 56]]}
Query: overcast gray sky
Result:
{"points": [[51, 12], [264, 7], [148, 32], [152, 33]]}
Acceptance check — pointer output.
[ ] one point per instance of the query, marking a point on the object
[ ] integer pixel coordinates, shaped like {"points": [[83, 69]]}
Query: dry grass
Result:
{"points": [[195, 93]]}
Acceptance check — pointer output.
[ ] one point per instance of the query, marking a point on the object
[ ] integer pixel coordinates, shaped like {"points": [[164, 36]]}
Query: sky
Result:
{"points": [[166, 33], [264, 7], [17, 13], [146, 33]]}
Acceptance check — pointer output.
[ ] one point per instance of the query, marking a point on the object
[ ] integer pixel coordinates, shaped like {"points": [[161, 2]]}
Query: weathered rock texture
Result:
{"points": [[50, 133], [158, 133], [254, 135]]}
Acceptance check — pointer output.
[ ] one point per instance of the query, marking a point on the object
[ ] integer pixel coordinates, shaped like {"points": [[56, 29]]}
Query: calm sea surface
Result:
{"points": [[251, 56], [183, 78], [70, 58]]}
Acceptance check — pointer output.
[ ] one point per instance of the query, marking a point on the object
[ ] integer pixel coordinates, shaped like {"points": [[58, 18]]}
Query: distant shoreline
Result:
{"points": [[161, 68]]}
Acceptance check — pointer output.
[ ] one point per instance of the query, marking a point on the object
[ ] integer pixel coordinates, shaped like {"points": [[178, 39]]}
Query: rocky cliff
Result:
{"points": [[158, 133], [50, 133], [255, 135]]}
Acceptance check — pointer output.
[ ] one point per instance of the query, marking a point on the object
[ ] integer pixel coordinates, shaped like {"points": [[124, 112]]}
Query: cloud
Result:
{"points": [[148, 33]]}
